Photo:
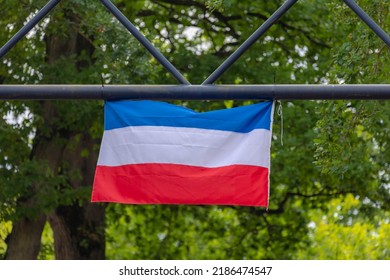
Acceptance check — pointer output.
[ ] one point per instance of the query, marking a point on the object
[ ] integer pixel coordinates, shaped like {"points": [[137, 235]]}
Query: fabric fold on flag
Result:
{"points": [[159, 153]]}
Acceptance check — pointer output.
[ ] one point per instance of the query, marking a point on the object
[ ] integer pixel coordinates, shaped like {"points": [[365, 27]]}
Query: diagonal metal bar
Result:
{"points": [[249, 42], [368, 20], [145, 42], [196, 92], [28, 26]]}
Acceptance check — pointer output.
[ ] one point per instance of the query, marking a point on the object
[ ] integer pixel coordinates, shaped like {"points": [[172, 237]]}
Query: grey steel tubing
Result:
{"points": [[249, 42], [195, 92], [145, 42], [27, 27], [369, 21]]}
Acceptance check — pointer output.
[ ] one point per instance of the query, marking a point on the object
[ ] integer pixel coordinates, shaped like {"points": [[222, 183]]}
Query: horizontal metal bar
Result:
{"points": [[249, 42], [145, 42], [195, 92], [369, 21], [27, 27]]}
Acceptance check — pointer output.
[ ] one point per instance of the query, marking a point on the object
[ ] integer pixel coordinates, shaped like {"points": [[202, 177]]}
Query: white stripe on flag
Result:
{"points": [[187, 146]]}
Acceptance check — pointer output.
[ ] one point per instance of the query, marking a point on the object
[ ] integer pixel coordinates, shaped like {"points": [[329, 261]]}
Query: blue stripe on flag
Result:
{"points": [[153, 113]]}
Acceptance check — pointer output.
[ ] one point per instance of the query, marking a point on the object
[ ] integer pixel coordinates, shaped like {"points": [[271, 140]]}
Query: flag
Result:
{"points": [[159, 153]]}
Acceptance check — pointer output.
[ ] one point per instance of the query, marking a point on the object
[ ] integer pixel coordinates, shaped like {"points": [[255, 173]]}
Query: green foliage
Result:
{"points": [[196, 232], [333, 163], [214, 4], [5, 229], [47, 244], [344, 233]]}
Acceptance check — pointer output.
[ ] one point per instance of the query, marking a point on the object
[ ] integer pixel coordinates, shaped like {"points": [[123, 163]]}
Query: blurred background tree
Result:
{"points": [[330, 191]]}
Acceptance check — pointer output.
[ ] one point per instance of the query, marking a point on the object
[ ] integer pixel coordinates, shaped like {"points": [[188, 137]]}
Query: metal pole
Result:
{"points": [[369, 21], [27, 28], [249, 42], [145, 42], [196, 92]]}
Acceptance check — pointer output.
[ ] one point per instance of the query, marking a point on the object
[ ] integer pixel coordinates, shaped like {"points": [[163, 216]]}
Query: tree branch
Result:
{"points": [[287, 26], [281, 206]]}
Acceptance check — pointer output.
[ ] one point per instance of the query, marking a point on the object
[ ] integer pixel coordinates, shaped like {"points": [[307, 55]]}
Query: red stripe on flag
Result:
{"points": [[180, 184]]}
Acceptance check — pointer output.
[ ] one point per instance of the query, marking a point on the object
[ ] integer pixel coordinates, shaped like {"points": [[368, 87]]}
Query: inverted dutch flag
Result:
{"points": [[159, 153]]}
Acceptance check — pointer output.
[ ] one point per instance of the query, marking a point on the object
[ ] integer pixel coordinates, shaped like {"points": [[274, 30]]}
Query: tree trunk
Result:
{"points": [[78, 229], [25, 238], [24, 242]]}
